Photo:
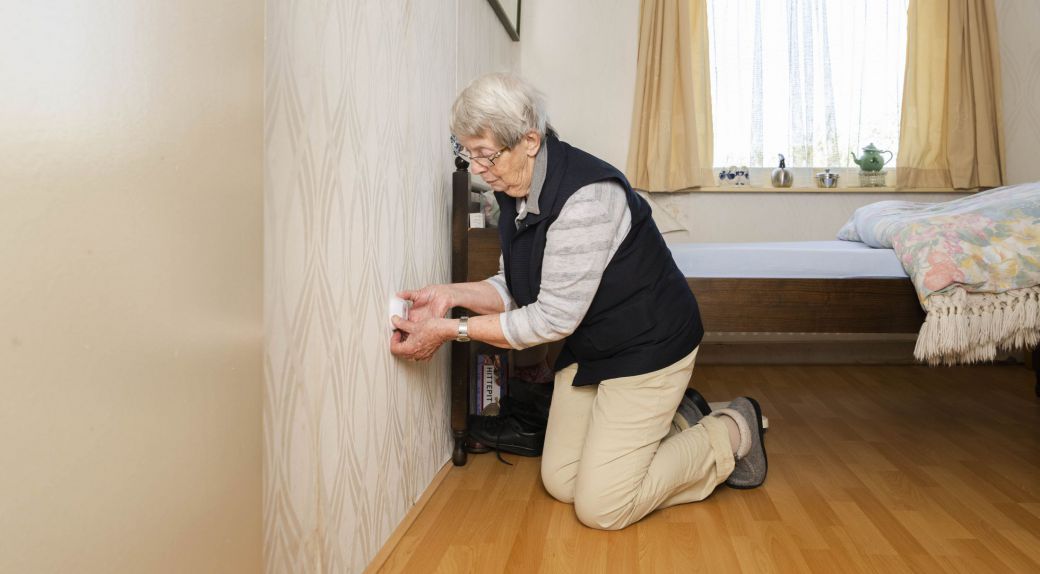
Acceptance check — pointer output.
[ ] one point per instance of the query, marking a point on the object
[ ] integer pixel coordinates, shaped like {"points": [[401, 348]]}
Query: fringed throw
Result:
{"points": [[963, 328]]}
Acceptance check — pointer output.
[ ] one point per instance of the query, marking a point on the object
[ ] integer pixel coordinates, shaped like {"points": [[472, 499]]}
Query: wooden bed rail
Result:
{"points": [[740, 305]]}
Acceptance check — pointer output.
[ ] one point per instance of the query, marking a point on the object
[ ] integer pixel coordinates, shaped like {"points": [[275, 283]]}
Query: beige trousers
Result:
{"points": [[610, 448]]}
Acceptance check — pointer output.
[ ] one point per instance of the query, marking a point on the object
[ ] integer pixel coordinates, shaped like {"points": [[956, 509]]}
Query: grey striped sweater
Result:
{"points": [[579, 244]]}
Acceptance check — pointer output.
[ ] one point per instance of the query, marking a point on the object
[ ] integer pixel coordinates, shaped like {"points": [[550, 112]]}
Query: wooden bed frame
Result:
{"points": [[727, 305]]}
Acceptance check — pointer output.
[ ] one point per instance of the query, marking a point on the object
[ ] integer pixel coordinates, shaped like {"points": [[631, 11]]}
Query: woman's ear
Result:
{"points": [[532, 143]]}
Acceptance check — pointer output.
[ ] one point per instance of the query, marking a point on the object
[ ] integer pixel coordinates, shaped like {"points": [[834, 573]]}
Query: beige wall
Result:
{"points": [[130, 303], [583, 55], [357, 177]]}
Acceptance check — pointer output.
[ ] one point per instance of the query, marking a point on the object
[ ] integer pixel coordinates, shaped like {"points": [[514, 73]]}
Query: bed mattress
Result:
{"points": [[786, 260]]}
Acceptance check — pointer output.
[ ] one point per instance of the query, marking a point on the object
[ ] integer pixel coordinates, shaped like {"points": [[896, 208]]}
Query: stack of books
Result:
{"points": [[488, 385]]}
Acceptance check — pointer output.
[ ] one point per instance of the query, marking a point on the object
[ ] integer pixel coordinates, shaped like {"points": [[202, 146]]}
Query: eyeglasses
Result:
{"points": [[484, 160]]}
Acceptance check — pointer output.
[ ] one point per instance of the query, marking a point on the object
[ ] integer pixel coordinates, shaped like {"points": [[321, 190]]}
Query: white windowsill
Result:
{"points": [[805, 182]]}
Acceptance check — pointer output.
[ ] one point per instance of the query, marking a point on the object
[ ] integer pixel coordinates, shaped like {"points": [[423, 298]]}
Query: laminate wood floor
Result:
{"points": [[872, 469]]}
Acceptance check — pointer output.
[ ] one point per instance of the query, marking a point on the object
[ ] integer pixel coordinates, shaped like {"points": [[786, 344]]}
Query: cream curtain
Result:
{"points": [[951, 131], [671, 143]]}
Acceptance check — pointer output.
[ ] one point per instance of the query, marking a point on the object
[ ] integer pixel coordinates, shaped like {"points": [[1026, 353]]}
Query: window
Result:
{"points": [[811, 79]]}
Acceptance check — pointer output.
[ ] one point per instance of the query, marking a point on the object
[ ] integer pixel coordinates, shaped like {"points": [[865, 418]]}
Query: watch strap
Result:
{"points": [[462, 335]]}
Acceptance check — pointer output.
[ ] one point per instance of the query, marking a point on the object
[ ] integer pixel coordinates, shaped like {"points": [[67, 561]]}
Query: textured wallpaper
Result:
{"points": [[1018, 21], [357, 188]]}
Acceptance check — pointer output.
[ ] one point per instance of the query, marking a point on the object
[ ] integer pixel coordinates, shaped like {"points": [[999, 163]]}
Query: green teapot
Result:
{"points": [[871, 159]]}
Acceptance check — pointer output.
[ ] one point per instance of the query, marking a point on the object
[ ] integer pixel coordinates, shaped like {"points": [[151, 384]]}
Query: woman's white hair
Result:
{"points": [[502, 105]]}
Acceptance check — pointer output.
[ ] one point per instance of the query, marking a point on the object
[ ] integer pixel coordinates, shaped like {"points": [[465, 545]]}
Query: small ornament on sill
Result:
{"points": [[735, 176], [872, 158], [826, 179], [743, 176], [781, 176]]}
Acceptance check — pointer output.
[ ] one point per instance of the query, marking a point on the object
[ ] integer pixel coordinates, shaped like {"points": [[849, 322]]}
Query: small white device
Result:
{"points": [[397, 307]]}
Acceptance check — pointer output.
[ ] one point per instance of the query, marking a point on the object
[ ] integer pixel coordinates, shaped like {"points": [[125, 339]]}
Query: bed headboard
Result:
{"points": [[474, 252]]}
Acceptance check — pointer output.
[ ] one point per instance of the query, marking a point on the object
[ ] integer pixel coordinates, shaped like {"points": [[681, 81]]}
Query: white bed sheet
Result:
{"points": [[786, 260]]}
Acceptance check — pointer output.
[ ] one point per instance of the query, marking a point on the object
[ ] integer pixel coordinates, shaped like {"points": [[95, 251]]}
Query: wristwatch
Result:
{"points": [[462, 335]]}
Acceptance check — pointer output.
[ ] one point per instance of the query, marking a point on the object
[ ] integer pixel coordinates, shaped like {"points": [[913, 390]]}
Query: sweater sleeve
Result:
{"points": [[578, 247], [499, 283]]}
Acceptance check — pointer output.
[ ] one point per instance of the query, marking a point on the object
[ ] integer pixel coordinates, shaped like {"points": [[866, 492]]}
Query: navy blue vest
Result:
{"points": [[643, 316]]}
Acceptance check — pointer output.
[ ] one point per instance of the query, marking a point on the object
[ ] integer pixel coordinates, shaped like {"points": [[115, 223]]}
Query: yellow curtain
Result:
{"points": [[951, 134], [671, 144]]}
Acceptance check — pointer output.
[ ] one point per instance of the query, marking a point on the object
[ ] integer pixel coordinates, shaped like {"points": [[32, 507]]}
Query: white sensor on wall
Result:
{"points": [[398, 307]]}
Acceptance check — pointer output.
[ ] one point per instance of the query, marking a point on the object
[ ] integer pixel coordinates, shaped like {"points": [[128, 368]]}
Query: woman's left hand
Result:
{"points": [[419, 340]]}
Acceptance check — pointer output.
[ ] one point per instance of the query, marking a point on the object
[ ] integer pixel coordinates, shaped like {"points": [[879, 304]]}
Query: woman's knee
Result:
{"points": [[557, 482], [596, 512]]}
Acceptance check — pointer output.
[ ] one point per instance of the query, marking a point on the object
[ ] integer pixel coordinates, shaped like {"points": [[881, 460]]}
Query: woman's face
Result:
{"points": [[512, 168]]}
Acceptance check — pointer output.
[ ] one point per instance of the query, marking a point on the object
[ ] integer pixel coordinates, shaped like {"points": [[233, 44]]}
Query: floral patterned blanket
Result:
{"points": [[975, 263]]}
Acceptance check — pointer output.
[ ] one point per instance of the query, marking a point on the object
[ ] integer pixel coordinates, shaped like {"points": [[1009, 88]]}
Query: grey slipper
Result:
{"points": [[750, 469], [692, 408], [714, 406]]}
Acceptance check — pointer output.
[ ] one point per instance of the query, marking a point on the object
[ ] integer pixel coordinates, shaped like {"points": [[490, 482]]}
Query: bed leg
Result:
{"points": [[458, 454]]}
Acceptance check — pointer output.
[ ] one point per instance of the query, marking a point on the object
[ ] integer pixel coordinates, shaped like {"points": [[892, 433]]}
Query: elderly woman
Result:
{"points": [[582, 260]]}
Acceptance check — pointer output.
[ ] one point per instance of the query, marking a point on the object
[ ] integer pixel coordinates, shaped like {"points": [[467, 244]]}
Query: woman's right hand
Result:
{"points": [[430, 302]]}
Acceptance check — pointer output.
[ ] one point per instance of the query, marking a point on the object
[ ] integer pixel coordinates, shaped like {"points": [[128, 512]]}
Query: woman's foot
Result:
{"points": [[750, 452]]}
